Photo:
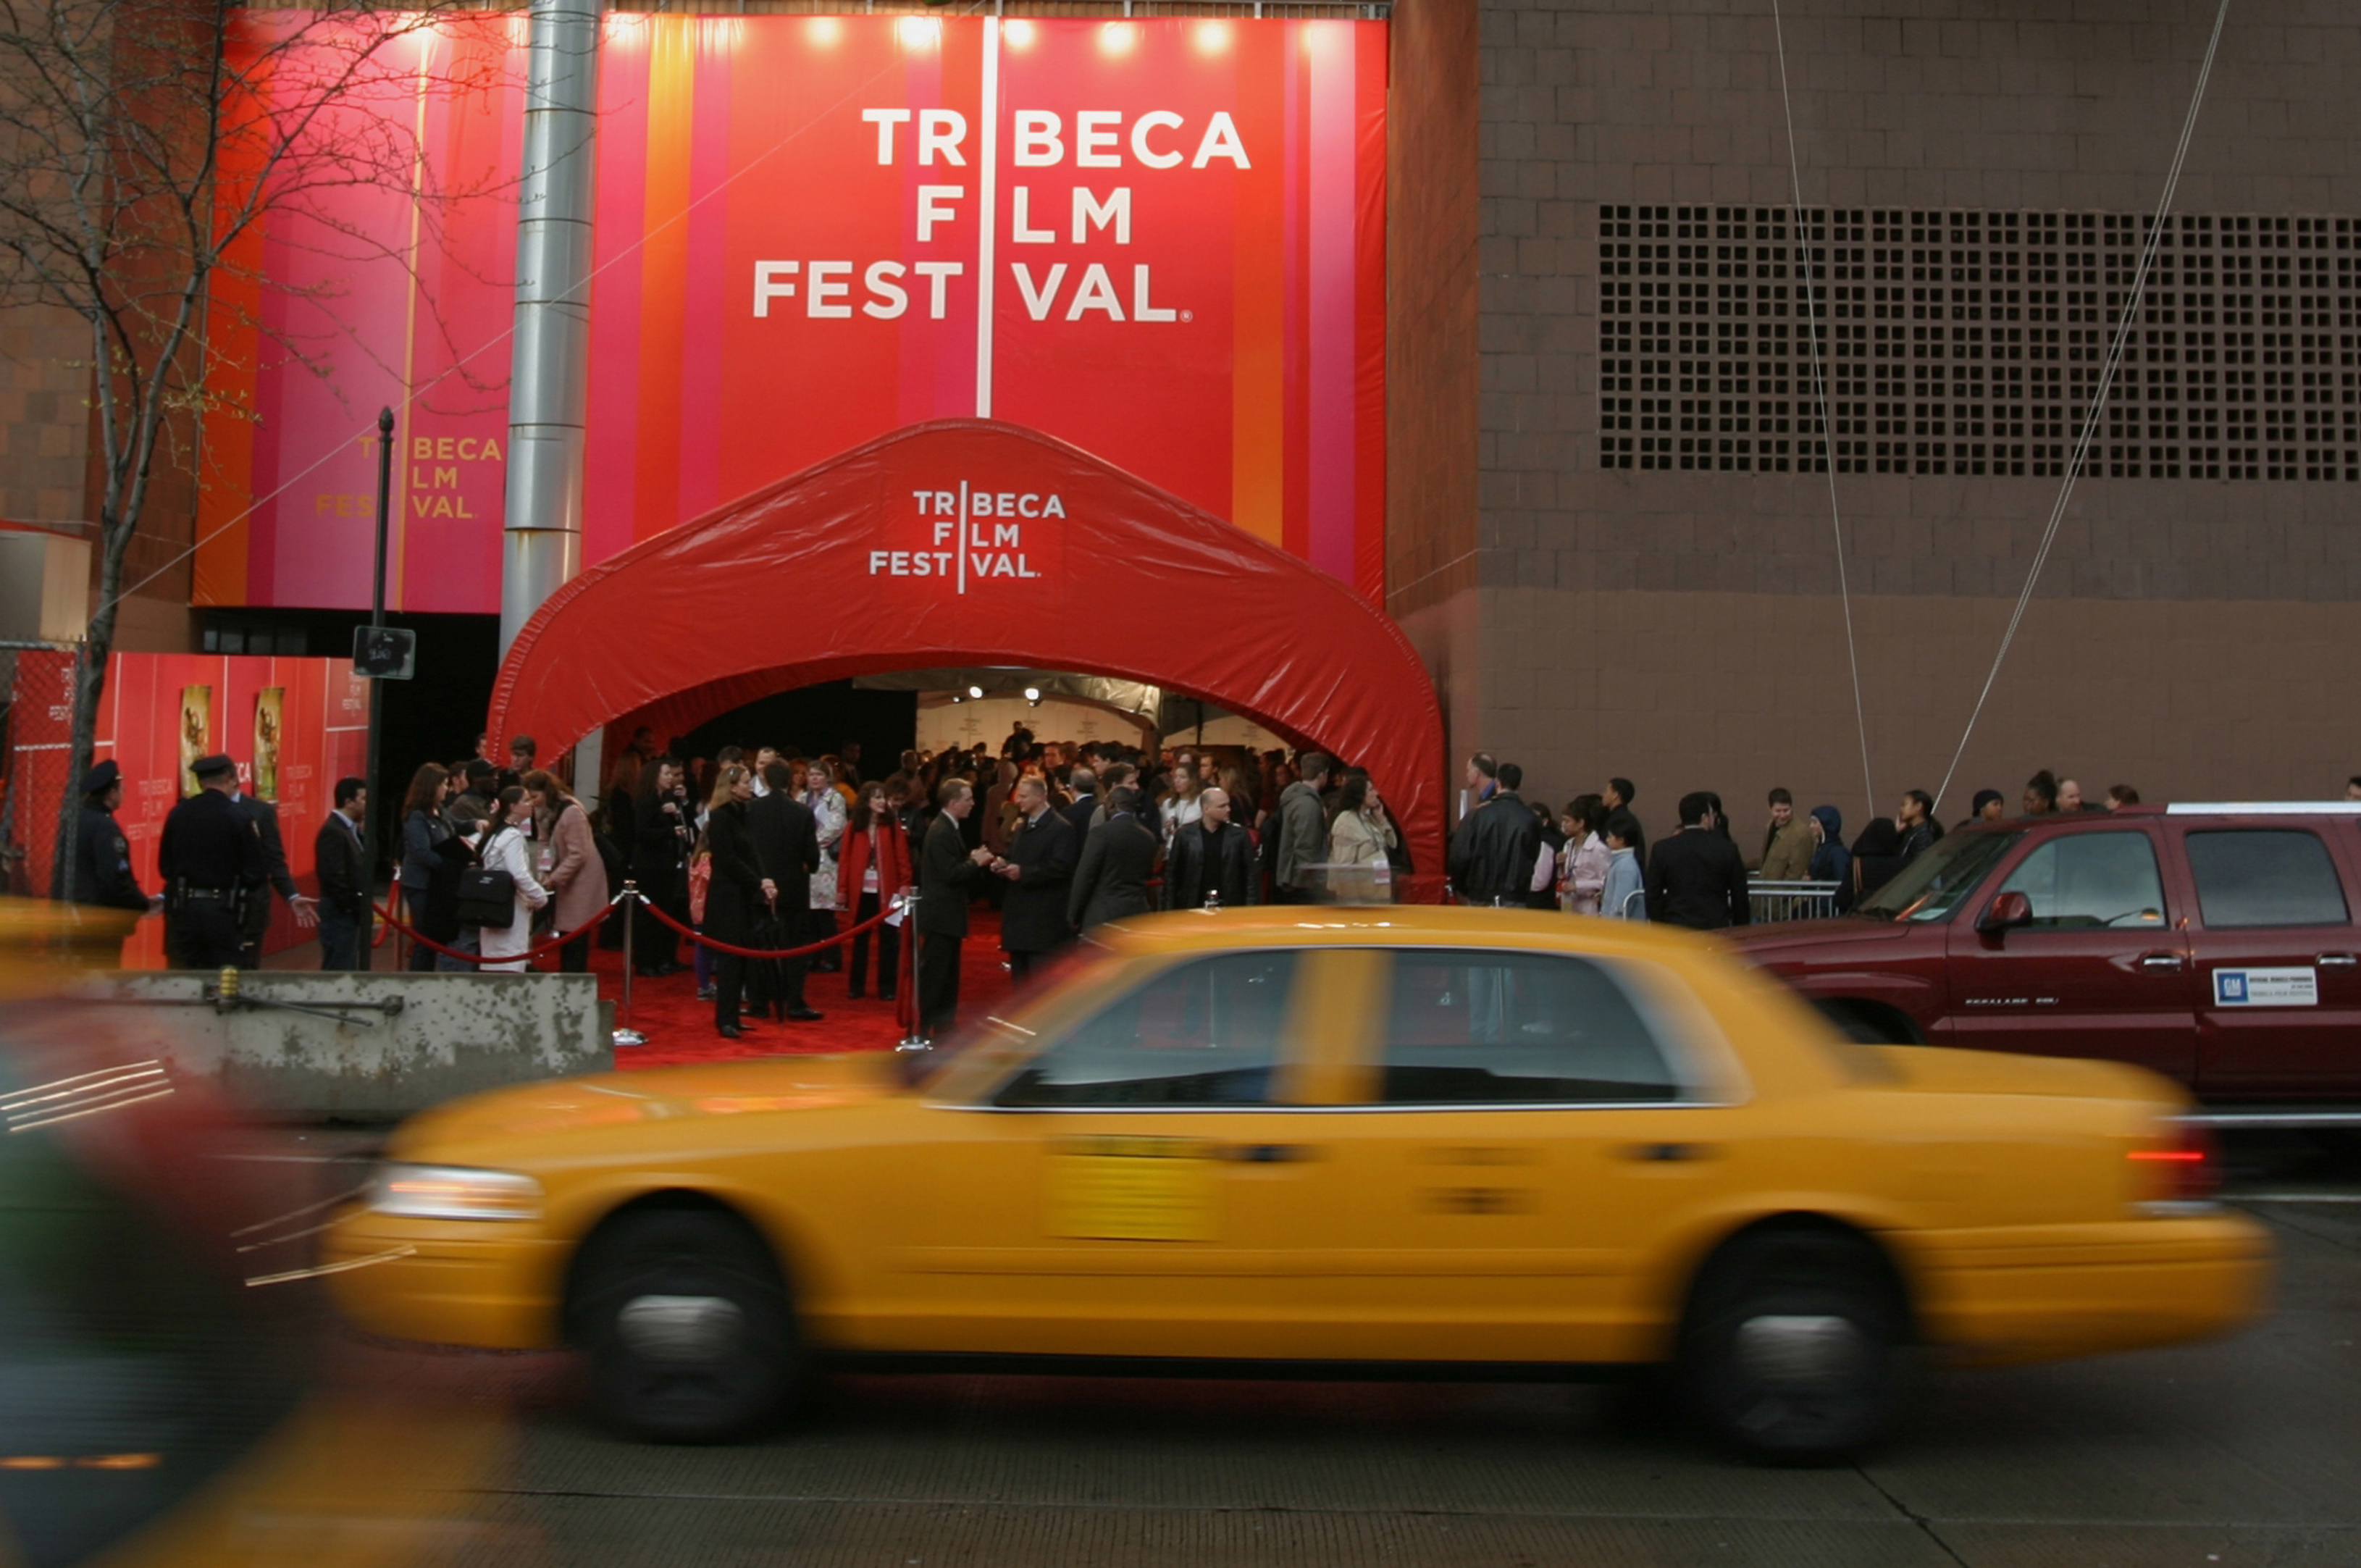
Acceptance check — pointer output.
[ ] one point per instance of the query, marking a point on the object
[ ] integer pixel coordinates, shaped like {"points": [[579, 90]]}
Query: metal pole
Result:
{"points": [[624, 1035], [549, 362], [914, 1037], [376, 812]]}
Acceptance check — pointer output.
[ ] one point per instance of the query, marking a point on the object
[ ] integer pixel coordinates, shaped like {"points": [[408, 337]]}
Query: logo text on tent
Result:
{"points": [[972, 534]]}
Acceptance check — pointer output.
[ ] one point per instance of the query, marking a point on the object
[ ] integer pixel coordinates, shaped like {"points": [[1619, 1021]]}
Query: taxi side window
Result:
{"points": [[1515, 1029], [2252, 878], [1210, 1031], [2090, 880]]}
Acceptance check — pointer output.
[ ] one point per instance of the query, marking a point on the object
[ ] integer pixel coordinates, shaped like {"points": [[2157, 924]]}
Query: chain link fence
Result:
{"points": [[36, 732]]}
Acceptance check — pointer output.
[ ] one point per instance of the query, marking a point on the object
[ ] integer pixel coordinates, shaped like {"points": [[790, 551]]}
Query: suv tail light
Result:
{"points": [[2184, 1166]]}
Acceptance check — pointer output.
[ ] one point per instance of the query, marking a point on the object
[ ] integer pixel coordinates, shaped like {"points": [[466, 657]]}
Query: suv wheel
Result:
{"points": [[687, 1324], [1788, 1352]]}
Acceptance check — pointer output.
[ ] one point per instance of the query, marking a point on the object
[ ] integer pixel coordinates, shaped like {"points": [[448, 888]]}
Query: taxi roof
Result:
{"points": [[1392, 925]]}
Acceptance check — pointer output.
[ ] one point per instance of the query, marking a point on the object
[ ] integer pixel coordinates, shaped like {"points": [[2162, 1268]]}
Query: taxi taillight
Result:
{"points": [[2184, 1163]]}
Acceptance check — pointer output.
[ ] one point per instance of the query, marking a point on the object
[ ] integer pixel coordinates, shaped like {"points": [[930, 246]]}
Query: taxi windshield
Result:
{"points": [[1931, 887], [985, 1051]]}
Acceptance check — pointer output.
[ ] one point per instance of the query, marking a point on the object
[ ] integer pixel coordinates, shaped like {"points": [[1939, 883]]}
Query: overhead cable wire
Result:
{"points": [[1820, 400], [2099, 399]]}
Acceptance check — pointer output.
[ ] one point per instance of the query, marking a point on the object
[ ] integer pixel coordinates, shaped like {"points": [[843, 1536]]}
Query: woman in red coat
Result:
{"points": [[875, 865]]}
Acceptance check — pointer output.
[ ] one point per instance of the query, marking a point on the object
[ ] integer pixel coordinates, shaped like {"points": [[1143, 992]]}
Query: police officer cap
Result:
{"points": [[209, 767], [102, 778]]}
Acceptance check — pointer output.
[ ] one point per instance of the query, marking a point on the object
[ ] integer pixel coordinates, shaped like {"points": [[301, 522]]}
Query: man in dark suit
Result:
{"points": [[1039, 866], [948, 873], [1119, 858], [343, 880], [786, 843], [1697, 878], [255, 923], [1211, 862], [1085, 807]]}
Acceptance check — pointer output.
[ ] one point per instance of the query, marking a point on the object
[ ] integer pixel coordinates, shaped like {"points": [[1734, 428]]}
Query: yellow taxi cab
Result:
{"points": [[1391, 1141]]}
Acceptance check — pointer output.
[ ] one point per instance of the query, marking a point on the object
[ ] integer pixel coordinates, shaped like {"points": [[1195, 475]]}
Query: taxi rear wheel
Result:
{"points": [[687, 1324], [1790, 1346]]}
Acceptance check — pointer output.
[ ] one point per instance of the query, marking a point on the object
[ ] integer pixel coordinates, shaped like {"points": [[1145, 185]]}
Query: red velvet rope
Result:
{"points": [[702, 940], [549, 946]]}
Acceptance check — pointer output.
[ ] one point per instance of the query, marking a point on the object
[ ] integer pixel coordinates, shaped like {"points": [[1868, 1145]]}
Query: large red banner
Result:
{"points": [[1161, 240]]}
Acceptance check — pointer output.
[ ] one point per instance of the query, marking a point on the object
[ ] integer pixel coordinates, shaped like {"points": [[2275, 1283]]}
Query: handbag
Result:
{"points": [[486, 897], [700, 878]]}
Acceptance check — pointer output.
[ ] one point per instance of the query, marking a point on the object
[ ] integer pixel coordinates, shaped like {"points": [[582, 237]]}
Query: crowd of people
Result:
{"points": [[1593, 858], [774, 849]]}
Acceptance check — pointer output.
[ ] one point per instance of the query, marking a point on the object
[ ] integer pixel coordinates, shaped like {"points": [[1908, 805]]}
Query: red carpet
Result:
{"points": [[680, 1028]]}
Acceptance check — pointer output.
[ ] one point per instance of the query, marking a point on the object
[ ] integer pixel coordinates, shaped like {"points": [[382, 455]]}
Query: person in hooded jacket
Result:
{"points": [[1831, 861]]}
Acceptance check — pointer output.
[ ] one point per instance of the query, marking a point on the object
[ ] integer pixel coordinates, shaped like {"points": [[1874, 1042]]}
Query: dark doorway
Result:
{"points": [[816, 721]]}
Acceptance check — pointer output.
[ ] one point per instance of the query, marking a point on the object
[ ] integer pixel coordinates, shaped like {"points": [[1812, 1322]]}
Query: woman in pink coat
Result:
{"points": [[570, 866]]}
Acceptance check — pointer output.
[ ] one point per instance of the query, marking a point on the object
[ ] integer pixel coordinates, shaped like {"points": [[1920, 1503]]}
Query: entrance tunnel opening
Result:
{"points": [[972, 545]]}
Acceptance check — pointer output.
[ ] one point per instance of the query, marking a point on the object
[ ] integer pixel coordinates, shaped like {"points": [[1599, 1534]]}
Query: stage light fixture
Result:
{"points": [[975, 691], [1033, 694]]}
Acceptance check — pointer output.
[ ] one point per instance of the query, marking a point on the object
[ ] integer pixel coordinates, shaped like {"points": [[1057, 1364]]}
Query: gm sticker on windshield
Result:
{"points": [[1133, 1189], [2266, 988]]}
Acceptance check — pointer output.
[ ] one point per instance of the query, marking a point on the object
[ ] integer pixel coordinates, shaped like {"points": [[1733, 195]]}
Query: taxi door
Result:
{"points": [[1510, 1134], [1135, 1187]]}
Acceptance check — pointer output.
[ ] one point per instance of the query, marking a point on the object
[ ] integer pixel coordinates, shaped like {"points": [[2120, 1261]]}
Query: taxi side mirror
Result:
{"points": [[2006, 912]]}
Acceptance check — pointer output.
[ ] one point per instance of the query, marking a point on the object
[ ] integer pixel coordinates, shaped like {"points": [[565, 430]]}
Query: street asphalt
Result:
{"points": [[2243, 1451]]}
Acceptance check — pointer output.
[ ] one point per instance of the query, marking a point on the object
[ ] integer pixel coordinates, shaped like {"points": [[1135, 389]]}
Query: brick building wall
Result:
{"points": [[1670, 612]]}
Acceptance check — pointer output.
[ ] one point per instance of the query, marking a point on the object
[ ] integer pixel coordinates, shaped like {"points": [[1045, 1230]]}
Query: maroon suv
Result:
{"points": [[2215, 944]]}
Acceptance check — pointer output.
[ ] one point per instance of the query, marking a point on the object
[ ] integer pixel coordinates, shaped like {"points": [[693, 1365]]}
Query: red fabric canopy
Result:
{"points": [[969, 542]]}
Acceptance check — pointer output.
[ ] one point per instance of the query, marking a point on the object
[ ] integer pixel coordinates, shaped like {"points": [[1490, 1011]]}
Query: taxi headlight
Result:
{"points": [[455, 1192]]}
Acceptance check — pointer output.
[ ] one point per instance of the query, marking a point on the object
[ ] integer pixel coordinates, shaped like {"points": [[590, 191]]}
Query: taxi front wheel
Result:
{"points": [[1790, 1346], [687, 1325]]}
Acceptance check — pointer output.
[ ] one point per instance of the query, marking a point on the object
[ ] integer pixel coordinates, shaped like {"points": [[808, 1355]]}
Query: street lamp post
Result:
{"points": [[377, 683]]}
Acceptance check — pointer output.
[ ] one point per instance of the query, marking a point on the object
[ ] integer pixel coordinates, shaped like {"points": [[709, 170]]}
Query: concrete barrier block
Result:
{"points": [[361, 1047]]}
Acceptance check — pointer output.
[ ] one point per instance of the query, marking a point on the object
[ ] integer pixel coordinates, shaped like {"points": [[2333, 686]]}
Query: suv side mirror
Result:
{"points": [[2006, 912]]}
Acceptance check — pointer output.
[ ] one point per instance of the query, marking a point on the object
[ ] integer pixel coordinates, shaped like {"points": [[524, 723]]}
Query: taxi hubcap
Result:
{"points": [[1797, 1348], [681, 1328]]}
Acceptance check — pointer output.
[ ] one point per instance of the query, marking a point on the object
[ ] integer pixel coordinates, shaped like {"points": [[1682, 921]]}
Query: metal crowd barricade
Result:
{"points": [[1770, 901]]}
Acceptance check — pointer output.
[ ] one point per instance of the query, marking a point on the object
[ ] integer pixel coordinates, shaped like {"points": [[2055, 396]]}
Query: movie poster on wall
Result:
{"points": [[196, 733], [1160, 239], [268, 707]]}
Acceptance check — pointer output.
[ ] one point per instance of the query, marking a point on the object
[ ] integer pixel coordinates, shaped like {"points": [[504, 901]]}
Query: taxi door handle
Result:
{"points": [[2336, 960], [2159, 961], [1270, 1153]]}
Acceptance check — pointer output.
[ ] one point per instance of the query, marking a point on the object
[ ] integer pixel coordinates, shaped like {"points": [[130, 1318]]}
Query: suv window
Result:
{"points": [[1515, 1029], [2086, 881], [1208, 1032], [2265, 877]]}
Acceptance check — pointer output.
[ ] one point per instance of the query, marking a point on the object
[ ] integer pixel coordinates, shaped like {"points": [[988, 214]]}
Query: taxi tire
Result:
{"points": [[1811, 1276], [685, 1254]]}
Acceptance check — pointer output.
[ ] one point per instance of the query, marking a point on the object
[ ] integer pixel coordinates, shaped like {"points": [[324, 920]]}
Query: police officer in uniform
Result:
{"points": [[210, 854], [102, 856]]}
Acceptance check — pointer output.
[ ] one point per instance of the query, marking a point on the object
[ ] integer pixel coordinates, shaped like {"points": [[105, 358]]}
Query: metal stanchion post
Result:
{"points": [[914, 1037], [624, 1035]]}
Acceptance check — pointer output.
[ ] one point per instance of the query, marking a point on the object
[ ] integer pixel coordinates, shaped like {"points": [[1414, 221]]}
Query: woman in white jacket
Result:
{"points": [[507, 849]]}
